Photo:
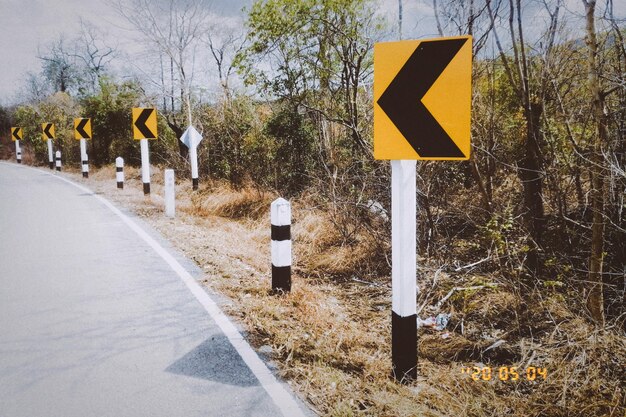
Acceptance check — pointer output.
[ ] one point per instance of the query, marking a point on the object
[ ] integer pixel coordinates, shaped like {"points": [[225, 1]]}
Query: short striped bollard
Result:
{"points": [[58, 160], [281, 245], [119, 171]]}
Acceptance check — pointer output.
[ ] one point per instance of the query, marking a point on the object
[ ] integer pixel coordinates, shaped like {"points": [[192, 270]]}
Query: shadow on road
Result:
{"points": [[215, 360]]}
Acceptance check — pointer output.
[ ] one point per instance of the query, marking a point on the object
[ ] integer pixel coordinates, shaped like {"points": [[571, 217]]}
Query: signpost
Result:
{"points": [[422, 96], [82, 131], [16, 135], [191, 138], [144, 128], [47, 135]]}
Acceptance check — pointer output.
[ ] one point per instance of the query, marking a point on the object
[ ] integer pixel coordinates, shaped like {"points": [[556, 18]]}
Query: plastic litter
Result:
{"points": [[438, 323], [441, 321]]}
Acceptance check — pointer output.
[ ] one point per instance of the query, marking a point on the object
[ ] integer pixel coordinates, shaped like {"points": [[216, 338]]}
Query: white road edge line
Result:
{"points": [[283, 400]]}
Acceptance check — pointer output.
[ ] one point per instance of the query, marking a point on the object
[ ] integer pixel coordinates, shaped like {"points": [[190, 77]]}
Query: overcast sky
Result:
{"points": [[27, 24]]}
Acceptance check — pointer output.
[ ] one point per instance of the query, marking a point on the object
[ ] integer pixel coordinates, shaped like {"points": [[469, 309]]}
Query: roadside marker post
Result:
{"points": [[191, 138], [50, 154], [16, 135], [58, 160], [144, 128], [404, 269], [119, 171], [170, 193], [193, 157], [145, 166], [48, 135], [422, 104], [84, 161], [281, 245], [82, 131]]}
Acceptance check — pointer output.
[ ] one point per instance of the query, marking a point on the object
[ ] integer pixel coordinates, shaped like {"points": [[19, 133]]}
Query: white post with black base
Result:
{"points": [[84, 161], [145, 166], [50, 153], [281, 245], [191, 138], [58, 160], [193, 158], [170, 193], [18, 152], [119, 171], [403, 270]]}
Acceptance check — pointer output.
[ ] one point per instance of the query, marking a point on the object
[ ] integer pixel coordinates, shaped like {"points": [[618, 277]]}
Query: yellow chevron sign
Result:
{"points": [[82, 128], [47, 131], [144, 123], [422, 99], [17, 133]]}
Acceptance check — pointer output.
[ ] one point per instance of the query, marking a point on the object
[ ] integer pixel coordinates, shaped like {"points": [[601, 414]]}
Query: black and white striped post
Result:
{"points": [[145, 166], [18, 152], [84, 159], [58, 160], [50, 153], [281, 245], [169, 186], [403, 270], [119, 171]]}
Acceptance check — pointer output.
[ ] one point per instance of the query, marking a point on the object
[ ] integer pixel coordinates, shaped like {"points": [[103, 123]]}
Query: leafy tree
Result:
{"points": [[320, 56], [110, 113], [294, 138]]}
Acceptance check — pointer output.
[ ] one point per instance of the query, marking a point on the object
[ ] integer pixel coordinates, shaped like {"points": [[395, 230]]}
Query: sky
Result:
{"points": [[26, 25]]}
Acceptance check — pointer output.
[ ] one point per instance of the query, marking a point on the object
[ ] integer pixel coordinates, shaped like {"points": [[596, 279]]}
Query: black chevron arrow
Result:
{"points": [[46, 130], [80, 128], [140, 123], [15, 133], [402, 100]]}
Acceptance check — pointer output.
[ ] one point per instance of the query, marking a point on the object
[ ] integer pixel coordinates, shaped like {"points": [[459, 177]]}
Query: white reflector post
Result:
{"points": [[403, 270], [170, 193], [281, 244], [50, 153], [145, 165], [119, 171], [18, 152], [84, 162]]}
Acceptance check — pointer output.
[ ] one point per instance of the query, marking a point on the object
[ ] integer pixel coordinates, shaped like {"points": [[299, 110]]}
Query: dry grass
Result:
{"points": [[332, 338], [224, 201]]}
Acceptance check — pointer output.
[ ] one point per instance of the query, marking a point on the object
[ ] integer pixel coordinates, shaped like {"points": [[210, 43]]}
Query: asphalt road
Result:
{"points": [[94, 322]]}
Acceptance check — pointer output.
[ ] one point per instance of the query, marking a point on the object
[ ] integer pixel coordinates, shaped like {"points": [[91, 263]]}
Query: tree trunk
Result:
{"points": [[595, 299], [531, 176]]}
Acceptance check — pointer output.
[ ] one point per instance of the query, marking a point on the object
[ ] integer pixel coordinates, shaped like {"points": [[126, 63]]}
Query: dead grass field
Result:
{"points": [[331, 339]]}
